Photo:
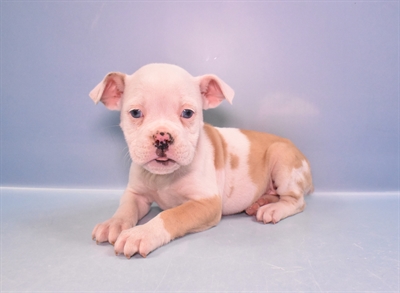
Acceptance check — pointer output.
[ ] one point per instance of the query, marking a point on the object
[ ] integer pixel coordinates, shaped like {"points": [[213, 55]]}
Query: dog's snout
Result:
{"points": [[162, 140]]}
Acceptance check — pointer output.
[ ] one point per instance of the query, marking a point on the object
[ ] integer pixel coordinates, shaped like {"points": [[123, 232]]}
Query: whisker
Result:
{"points": [[126, 158]]}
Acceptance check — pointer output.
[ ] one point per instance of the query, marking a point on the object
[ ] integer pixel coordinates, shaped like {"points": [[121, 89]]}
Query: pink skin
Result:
{"points": [[162, 140], [262, 201]]}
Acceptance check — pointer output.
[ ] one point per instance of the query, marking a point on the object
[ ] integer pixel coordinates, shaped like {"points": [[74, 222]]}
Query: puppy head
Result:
{"points": [[161, 112]]}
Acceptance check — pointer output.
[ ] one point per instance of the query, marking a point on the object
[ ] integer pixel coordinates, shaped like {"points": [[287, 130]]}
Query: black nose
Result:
{"points": [[162, 140]]}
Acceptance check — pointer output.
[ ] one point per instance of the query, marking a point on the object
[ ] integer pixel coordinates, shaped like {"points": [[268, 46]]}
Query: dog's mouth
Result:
{"points": [[164, 161], [161, 166]]}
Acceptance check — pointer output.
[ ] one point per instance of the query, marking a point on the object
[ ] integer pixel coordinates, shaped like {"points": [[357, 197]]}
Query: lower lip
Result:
{"points": [[164, 162]]}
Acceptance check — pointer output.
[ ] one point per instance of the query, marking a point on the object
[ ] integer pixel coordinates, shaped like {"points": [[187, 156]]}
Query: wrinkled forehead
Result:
{"points": [[162, 82]]}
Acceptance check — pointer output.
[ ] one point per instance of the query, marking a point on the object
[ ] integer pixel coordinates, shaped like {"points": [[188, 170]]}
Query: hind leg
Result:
{"points": [[291, 184]]}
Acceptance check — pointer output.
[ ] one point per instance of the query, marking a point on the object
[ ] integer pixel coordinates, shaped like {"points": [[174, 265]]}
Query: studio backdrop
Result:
{"points": [[324, 74]]}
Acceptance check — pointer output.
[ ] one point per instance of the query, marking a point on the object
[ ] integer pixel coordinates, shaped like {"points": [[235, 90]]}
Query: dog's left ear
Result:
{"points": [[110, 90], [214, 91]]}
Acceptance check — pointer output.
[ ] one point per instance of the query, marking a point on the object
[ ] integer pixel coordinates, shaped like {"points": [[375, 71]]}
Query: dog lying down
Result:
{"points": [[194, 172]]}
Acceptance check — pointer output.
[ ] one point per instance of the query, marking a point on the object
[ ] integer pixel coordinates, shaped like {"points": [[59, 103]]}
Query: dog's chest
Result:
{"points": [[160, 189]]}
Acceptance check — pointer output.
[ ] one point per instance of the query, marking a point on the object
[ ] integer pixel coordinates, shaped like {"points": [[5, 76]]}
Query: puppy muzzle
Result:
{"points": [[162, 141]]}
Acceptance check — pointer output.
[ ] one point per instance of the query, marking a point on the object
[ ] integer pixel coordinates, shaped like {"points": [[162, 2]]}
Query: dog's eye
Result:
{"points": [[136, 113], [187, 113]]}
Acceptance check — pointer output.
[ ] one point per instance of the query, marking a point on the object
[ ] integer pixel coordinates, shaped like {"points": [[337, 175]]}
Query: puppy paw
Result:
{"points": [[271, 213], [110, 230], [142, 239]]}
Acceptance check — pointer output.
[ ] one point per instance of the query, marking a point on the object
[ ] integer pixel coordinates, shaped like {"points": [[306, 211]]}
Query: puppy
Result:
{"points": [[194, 172]]}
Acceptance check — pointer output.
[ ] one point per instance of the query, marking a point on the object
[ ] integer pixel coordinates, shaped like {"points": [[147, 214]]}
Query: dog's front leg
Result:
{"points": [[132, 208], [192, 216]]}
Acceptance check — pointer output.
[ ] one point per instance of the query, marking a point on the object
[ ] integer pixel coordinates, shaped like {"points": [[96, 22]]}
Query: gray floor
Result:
{"points": [[339, 243]]}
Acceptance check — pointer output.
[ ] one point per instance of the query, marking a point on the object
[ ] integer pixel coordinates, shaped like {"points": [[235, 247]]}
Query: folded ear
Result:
{"points": [[214, 91], [109, 91]]}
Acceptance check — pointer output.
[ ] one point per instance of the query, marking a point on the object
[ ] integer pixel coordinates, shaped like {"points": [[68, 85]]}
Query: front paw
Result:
{"points": [[142, 239], [110, 230]]}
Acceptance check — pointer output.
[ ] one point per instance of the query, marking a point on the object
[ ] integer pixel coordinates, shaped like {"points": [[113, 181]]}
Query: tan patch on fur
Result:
{"points": [[265, 151], [219, 144], [259, 158], [192, 216], [234, 160]]}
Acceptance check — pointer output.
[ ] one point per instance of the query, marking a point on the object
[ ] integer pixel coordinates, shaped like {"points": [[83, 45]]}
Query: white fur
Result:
{"points": [[237, 182]]}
